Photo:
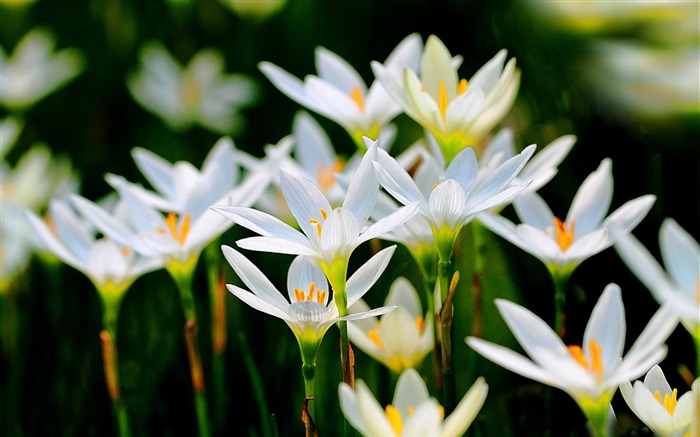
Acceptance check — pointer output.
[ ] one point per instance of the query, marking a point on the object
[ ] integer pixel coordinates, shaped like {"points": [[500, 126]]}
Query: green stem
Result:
{"points": [[337, 276], [445, 326], [183, 275], [309, 372], [257, 385], [561, 283], [111, 299]]}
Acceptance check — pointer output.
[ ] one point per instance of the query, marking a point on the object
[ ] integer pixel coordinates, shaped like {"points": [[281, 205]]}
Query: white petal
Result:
{"points": [[276, 245], [362, 193], [681, 254], [389, 223], [261, 223], [337, 72], [288, 84], [534, 211], [447, 204], [510, 360], [465, 412], [254, 279], [257, 303], [302, 272], [436, 67], [304, 199], [464, 168], [366, 276], [592, 200], [607, 327], [158, 171]]}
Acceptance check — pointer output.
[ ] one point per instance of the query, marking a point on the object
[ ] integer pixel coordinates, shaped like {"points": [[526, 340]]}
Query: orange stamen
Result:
{"points": [[316, 225], [373, 335], [419, 323], [564, 237], [462, 87], [394, 417], [443, 101], [596, 364], [125, 251], [324, 214], [178, 234], [669, 401], [356, 96], [325, 174], [314, 294]]}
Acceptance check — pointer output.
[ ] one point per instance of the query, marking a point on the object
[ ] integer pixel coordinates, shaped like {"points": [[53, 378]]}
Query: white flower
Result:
{"points": [[185, 194], [200, 93], [658, 406], [450, 198], [412, 412], [37, 177], [589, 373], [308, 310], [399, 339], [539, 170], [111, 267], [34, 70], [329, 235], [585, 232], [679, 285], [339, 93], [457, 112]]}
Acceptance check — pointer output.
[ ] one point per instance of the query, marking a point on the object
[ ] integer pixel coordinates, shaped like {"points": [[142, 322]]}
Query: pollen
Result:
{"points": [[669, 401], [125, 251], [373, 335], [595, 365], [178, 234], [315, 223], [462, 87], [394, 417], [314, 294], [564, 236], [325, 174], [356, 96]]}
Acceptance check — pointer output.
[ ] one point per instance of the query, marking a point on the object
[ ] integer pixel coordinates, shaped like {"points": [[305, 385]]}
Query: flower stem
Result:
{"points": [[561, 283], [445, 324], [182, 274], [337, 276], [307, 412], [108, 338]]}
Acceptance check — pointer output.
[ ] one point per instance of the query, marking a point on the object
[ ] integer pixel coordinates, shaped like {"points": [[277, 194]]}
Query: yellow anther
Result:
{"points": [[596, 364], [326, 174], [373, 335], [410, 410], [564, 236], [462, 87], [125, 251], [178, 234], [324, 214], [312, 288], [420, 323], [443, 100], [356, 96], [313, 294], [316, 225], [394, 417], [669, 401]]}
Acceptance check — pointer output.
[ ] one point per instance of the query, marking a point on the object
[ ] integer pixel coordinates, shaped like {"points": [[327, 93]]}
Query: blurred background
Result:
{"points": [[623, 77]]}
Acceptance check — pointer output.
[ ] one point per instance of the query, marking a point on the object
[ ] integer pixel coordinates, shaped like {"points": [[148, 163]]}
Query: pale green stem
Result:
{"points": [[309, 372], [182, 274], [338, 280]]}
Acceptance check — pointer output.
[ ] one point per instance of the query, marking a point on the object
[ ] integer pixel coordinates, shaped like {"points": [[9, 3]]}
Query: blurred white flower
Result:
{"points": [[678, 286], [200, 93], [340, 93], [412, 412], [563, 245], [37, 177], [111, 266], [659, 407], [459, 113], [34, 70], [589, 373], [399, 339]]}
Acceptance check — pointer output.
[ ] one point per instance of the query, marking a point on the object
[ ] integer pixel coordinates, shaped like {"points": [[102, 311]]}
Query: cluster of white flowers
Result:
{"points": [[460, 172]]}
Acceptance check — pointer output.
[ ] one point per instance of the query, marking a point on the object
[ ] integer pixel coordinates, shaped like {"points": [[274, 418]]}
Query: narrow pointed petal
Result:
{"points": [[464, 168], [302, 272], [304, 199], [436, 67], [337, 72], [534, 211], [680, 253], [607, 326], [158, 171], [254, 278], [465, 412], [366, 276], [510, 360], [261, 223], [362, 193], [288, 84], [257, 303], [593, 198], [389, 223], [276, 245]]}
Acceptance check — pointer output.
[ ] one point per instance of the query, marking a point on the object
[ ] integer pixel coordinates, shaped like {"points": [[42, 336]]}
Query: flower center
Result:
{"points": [[595, 365], [316, 224], [325, 174], [375, 336], [190, 91], [356, 96], [669, 401], [444, 101], [314, 294], [564, 236], [394, 417], [178, 234]]}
